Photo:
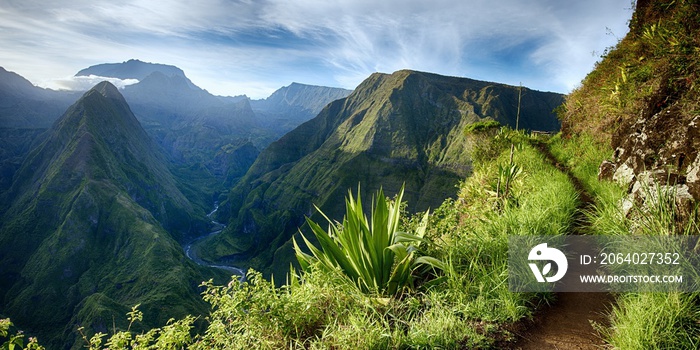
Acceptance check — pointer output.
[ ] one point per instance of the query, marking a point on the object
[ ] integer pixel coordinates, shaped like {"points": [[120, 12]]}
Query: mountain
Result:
{"points": [[407, 127], [14, 146], [292, 105], [131, 69], [198, 130], [92, 227], [165, 99], [25, 112], [23, 105], [211, 133], [311, 98]]}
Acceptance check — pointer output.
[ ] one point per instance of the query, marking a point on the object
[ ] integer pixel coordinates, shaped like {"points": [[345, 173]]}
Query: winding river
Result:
{"points": [[191, 247]]}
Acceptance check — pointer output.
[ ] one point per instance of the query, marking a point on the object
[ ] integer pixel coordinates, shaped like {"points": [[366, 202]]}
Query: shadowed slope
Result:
{"points": [[86, 235]]}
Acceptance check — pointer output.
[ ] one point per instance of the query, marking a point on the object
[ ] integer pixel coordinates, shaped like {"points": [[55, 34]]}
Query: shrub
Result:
{"points": [[372, 253], [481, 126]]}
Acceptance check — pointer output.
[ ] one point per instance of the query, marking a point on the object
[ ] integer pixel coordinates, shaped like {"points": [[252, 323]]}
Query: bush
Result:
{"points": [[481, 126], [372, 253]]}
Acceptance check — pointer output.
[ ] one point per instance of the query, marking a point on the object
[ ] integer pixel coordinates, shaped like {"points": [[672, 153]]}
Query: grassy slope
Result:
{"points": [[394, 129], [655, 67], [470, 307]]}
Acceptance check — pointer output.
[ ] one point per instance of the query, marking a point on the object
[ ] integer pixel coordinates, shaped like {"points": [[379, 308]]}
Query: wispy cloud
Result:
{"points": [[84, 83], [226, 45]]}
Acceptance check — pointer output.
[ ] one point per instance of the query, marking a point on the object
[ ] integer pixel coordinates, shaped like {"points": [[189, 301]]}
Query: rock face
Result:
{"points": [[661, 150], [606, 171]]}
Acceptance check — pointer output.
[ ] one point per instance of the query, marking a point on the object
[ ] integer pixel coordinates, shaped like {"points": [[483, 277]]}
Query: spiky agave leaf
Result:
{"points": [[373, 254]]}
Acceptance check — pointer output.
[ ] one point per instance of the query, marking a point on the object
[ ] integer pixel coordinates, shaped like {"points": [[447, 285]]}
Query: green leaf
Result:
{"points": [[372, 253]]}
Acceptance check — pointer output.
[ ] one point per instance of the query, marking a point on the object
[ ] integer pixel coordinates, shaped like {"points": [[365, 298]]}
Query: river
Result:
{"points": [[191, 247]]}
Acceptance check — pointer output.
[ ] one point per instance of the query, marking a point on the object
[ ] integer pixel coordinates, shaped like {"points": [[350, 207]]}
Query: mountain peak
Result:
{"points": [[307, 97], [131, 69], [103, 110], [108, 90]]}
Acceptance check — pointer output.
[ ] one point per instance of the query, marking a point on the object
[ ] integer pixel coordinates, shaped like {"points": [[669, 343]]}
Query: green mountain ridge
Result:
{"points": [[407, 127], [93, 225], [23, 105]]}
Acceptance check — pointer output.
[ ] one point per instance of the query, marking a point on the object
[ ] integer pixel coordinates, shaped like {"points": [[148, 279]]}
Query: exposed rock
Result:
{"points": [[653, 156], [692, 177], [624, 175], [648, 190], [606, 170]]}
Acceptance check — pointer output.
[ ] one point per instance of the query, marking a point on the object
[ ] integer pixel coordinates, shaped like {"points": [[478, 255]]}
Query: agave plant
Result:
{"points": [[372, 253]]}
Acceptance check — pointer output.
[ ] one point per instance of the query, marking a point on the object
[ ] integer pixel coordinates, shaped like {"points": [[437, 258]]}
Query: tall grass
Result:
{"points": [[655, 321]]}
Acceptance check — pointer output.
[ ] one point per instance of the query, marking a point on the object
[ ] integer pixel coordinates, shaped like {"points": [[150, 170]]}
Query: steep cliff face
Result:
{"points": [[406, 127], [643, 99]]}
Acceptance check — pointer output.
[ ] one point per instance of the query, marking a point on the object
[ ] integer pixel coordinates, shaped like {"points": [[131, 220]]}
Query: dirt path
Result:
{"points": [[568, 322]]}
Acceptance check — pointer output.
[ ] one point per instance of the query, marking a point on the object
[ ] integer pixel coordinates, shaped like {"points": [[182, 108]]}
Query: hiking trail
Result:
{"points": [[568, 323]]}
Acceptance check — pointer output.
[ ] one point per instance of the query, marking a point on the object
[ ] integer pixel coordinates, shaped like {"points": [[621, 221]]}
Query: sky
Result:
{"points": [[253, 47]]}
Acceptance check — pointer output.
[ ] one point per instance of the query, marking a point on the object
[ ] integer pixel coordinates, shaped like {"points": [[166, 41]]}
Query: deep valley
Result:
{"points": [[147, 212]]}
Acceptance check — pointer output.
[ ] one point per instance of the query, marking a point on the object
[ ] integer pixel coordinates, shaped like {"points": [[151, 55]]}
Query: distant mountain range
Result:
{"points": [[190, 124], [23, 105], [99, 192], [404, 128]]}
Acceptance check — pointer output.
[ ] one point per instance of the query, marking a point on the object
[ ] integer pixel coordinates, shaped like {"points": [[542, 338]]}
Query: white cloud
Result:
{"points": [[546, 44], [84, 83], [457, 37]]}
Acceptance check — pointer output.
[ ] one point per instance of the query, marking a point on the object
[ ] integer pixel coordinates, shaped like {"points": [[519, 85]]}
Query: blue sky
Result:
{"points": [[233, 47]]}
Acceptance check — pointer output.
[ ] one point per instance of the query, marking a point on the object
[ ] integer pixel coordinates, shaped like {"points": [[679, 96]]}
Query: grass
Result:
{"points": [[638, 320], [655, 321]]}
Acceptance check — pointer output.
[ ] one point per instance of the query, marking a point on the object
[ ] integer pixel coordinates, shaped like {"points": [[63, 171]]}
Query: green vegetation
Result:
{"points": [[365, 287], [91, 228], [11, 338], [481, 126], [639, 320], [583, 154], [653, 68], [403, 128], [646, 84], [372, 253], [655, 321], [468, 305]]}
